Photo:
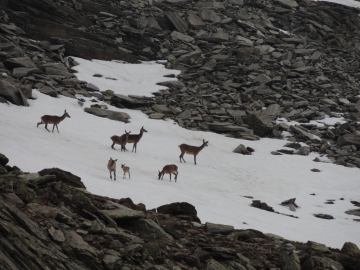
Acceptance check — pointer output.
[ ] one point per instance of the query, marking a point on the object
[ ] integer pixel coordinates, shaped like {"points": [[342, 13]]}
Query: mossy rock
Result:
{"points": [[3, 170], [26, 194]]}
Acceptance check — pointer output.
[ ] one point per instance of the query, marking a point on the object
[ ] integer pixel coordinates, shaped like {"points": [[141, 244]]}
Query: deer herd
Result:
{"points": [[134, 139]]}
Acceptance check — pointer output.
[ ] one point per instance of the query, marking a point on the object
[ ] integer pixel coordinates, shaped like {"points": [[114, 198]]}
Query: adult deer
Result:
{"points": [[191, 150], [122, 140], [126, 169], [135, 138], [112, 167], [169, 169], [52, 119]]}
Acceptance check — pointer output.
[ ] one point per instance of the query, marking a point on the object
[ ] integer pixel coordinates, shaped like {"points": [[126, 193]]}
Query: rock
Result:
{"points": [[349, 139], [350, 249], [123, 213], [161, 109], [24, 62], [48, 91], [182, 209], [241, 149], [56, 235], [260, 125], [63, 176], [218, 228], [9, 90], [288, 3], [113, 115], [3, 160], [303, 151]]}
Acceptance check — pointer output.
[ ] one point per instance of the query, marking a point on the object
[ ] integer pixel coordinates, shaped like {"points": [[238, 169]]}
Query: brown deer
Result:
{"points": [[122, 140], [52, 119], [112, 167], [191, 150], [126, 169], [169, 169], [135, 138]]}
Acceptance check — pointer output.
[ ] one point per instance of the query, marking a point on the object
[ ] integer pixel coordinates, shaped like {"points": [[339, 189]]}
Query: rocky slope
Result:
{"points": [[244, 63], [49, 221]]}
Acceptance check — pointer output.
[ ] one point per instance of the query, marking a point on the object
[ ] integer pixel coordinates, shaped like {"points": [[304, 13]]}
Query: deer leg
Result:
{"points": [[53, 128], [134, 146], [182, 157], [176, 176], [114, 175], [170, 177], [57, 128], [162, 176], [129, 174], [40, 123], [112, 146], [124, 176], [195, 159], [46, 127], [110, 175]]}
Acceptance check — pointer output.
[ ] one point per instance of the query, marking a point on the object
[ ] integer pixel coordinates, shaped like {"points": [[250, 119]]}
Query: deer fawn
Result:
{"points": [[126, 169], [112, 167], [191, 150], [135, 138], [52, 119], [169, 169], [122, 140]]}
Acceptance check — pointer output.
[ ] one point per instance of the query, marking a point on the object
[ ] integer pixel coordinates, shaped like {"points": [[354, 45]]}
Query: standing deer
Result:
{"points": [[135, 138], [112, 167], [122, 140], [126, 169], [191, 150], [169, 169], [52, 119]]}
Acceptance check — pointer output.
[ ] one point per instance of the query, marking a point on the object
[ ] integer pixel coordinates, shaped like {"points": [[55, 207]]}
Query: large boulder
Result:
{"points": [[9, 90], [64, 176], [349, 139], [179, 209]]}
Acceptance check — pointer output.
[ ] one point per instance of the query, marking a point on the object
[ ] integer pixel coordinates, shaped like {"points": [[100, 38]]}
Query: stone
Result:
{"points": [[241, 149], [179, 36], [9, 90], [46, 90], [218, 228], [123, 213], [113, 115], [161, 109], [56, 235], [24, 62], [177, 209], [3, 160], [349, 139]]}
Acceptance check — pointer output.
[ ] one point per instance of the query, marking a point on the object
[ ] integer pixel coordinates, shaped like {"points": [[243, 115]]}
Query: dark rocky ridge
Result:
{"points": [[49, 221], [234, 56]]}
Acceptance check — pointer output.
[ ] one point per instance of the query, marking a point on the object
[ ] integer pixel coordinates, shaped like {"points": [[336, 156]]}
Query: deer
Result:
{"points": [[169, 169], [135, 138], [112, 167], [191, 150], [122, 140], [52, 119], [126, 169]]}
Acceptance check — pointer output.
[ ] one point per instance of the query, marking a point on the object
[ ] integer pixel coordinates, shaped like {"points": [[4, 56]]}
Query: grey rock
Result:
{"points": [[218, 228], [179, 36], [9, 90], [48, 91], [113, 115], [24, 62]]}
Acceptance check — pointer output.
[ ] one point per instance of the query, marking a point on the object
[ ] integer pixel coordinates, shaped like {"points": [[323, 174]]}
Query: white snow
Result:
{"points": [[216, 186]]}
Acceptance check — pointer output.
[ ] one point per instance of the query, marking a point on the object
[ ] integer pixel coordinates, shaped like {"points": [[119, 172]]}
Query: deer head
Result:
{"points": [[66, 114]]}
